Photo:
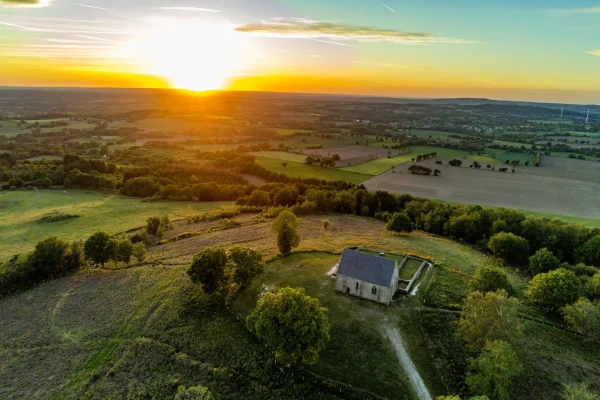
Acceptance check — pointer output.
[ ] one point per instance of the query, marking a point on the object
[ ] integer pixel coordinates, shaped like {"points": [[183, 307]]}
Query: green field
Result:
{"points": [[281, 155], [514, 144], [21, 211], [566, 155], [301, 170], [39, 158], [381, 165], [288, 131]]}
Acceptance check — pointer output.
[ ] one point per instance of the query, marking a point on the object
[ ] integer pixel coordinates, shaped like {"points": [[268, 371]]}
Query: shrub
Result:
{"points": [[47, 259], [152, 225], [490, 279], [326, 223], [543, 261], [583, 317], [554, 289], [579, 391], [511, 248], [95, 248], [193, 393], [139, 251]]}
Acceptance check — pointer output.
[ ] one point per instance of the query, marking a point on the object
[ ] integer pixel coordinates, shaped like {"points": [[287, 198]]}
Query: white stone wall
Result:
{"points": [[362, 289]]}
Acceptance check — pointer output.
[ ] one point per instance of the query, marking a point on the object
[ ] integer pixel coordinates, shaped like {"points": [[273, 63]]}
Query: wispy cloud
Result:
{"points": [[31, 29], [25, 3], [95, 38], [386, 6], [595, 52], [334, 30], [200, 9], [94, 7], [591, 10], [335, 43]]}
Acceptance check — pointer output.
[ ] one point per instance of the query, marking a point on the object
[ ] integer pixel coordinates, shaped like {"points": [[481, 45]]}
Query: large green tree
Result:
{"points": [[490, 316], [208, 269], [510, 247], [490, 279], [589, 252], [291, 323], [579, 391], [193, 393], [543, 261], [95, 248], [48, 258], [400, 222], [245, 264], [555, 289], [494, 370], [285, 230]]}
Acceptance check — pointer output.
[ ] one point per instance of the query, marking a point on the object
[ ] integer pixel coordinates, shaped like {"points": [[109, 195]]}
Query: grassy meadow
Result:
{"points": [[301, 170], [21, 213]]}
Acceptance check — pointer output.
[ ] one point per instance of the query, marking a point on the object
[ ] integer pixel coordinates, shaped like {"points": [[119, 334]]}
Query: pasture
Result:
{"points": [[352, 155], [301, 170], [137, 332], [281, 155], [529, 188], [21, 213]]}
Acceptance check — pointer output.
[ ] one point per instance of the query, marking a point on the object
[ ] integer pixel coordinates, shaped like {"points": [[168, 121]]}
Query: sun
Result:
{"points": [[190, 54]]}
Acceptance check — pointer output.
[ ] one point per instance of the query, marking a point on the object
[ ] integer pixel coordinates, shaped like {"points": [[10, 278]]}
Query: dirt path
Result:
{"points": [[407, 365]]}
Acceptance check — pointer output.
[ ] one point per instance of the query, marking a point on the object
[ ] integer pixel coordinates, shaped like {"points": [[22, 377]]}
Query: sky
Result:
{"points": [[535, 50]]}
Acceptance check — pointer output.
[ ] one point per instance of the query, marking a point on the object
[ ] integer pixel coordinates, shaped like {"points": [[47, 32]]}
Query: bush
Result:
{"points": [[579, 391], [511, 248], [555, 289], [47, 259], [326, 223], [490, 279], [193, 393], [543, 261], [139, 251], [583, 317], [152, 225]]}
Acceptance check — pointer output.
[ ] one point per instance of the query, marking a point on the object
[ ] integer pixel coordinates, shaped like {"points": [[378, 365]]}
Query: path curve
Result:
{"points": [[407, 365]]}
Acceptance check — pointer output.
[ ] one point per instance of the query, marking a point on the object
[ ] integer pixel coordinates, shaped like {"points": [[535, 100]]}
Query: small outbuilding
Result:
{"points": [[368, 276]]}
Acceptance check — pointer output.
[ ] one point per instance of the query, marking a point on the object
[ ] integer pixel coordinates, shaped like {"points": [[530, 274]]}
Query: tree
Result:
{"points": [[336, 157], [111, 251], [16, 182], [193, 393], [400, 222], [490, 279], [583, 317], [554, 289], [490, 316], [437, 172], [511, 248], [139, 251], [152, 225], [293, 324], [124, 251], [543, 261], [493, 371], [208, 269], [594, 286], [285, 230], [95, 248], [579, 391], [284, 164], [48, 258], [589, 252], [246, 264], [455, 163]]}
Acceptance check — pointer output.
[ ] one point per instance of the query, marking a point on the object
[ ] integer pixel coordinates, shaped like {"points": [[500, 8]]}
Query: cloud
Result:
{"points": [[386, 6], [577, 10], [334, 30], [594, 53], [25, 3]]}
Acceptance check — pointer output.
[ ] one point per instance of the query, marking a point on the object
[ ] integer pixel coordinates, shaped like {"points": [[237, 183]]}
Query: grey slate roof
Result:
{"points": [[366, 267]]}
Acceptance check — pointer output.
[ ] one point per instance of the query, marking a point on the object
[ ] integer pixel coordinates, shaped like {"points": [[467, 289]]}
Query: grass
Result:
{"points": [[301, 170], [381, 165], [281, 155], [502, 155], [21, 211], [288, 131], [38, 158], [137, 333], [409, 269]]}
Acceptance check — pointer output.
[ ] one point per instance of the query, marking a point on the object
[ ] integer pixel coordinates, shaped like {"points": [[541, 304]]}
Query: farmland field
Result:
{"points": [[21, 212], [352, 155], [381, 165], [530, 188], [288, 131], [301, 170], [281, 155]]}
